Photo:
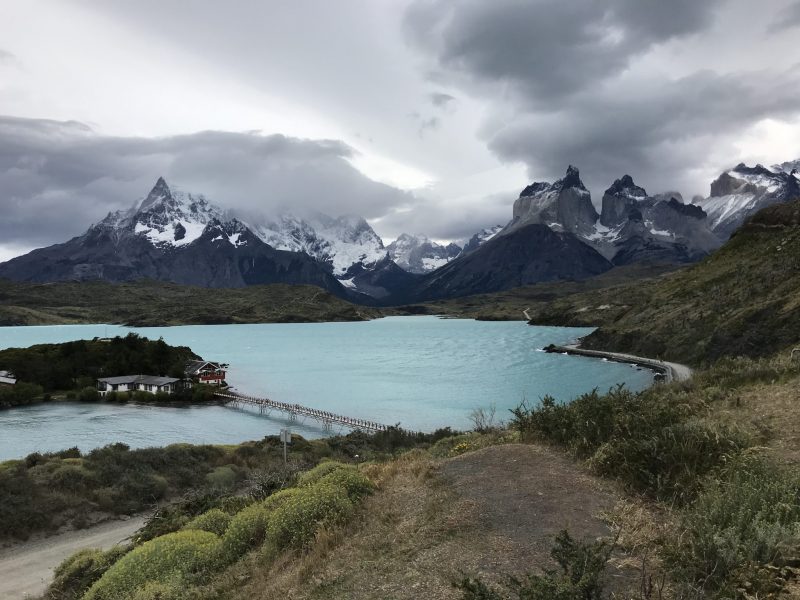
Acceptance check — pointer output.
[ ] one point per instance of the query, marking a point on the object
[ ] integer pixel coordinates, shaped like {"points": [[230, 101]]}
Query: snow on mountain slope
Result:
{"points": [[480, 238], [167, 217], [742, 191], [347, 244], [418, 254]]}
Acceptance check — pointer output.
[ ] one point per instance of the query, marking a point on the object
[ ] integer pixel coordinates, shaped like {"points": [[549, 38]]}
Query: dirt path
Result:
{"points": [[27, 569]]}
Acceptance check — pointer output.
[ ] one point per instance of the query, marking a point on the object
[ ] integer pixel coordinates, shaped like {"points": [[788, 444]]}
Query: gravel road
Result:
{"points": [[26, 569]]}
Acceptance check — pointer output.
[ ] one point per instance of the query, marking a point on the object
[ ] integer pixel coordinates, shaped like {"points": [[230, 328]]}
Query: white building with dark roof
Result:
{"points": [[7, 378], [139, 383]]}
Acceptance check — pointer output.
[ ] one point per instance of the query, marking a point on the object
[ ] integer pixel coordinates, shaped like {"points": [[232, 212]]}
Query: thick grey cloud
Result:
{"points": [[545, 50], [6, 56], [657, 134], [58, 177], [788, 18], [607, 85]]}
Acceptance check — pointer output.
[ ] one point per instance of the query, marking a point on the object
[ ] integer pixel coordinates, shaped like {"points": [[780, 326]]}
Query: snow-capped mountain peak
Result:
{"points": [[346, 244], [740, 192], [418, 254], [167, 217]]}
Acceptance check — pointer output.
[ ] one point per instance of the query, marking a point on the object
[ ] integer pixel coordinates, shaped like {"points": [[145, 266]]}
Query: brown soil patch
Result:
{"points": [[492, 512]]}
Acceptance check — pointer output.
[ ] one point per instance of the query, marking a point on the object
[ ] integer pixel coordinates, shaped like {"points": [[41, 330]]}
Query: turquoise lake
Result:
{"points": [[420, 372]]}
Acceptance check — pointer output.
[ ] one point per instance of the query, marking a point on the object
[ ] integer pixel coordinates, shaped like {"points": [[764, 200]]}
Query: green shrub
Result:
{"points": [[355, 484], [246, 531], [295, 522], [215, 521], [72, 478], [78, 572], [312, 476], [279, 498], [142, 397], [20, 394], [176, 557], [653, 441], [88, 394], [222, 478], [669, 462], [580, 576], [742, 529]]}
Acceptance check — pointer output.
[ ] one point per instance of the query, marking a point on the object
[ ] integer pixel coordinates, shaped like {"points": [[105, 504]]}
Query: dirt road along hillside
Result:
{"points": [[27, 569]]}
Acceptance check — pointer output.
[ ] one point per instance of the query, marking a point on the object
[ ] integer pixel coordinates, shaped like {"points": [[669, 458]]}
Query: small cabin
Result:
{"points": [[206, 372], [139, 383], [7, 378]]}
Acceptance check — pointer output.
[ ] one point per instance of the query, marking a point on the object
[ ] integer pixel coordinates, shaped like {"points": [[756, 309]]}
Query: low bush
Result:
{"points": [[174, 516], [215, 521], [324, 468], [77, 573], [222, 478], [88, 394], [184, 556], [246, 530], [579, 577], [20, 394], [295, 522], [653, 441], [742, 531], [355, 485]]}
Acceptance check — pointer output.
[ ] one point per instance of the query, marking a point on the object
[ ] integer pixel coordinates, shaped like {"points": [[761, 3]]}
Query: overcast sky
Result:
{"points": [[424, 116]]}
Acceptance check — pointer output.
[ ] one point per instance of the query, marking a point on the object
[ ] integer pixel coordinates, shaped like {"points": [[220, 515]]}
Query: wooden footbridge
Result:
{"points": [[295, 411]]}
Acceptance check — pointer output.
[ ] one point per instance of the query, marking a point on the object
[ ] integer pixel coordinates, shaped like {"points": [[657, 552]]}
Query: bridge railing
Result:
{"points": [[327, 418]]}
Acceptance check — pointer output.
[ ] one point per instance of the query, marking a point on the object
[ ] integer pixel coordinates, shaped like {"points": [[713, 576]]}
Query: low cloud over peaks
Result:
{"points": [[52, 170], [623, 86]]}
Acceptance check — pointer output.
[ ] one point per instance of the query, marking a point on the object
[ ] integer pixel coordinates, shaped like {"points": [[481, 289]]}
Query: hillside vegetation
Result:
{"points": [[744, 300], [151, 303]]}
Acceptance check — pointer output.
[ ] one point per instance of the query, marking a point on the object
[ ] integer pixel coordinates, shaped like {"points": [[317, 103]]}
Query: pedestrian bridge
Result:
{"points": [[295, 411]]}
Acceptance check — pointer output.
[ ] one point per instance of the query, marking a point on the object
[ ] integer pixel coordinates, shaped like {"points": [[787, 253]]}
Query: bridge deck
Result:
{"points": [[327, 419]]}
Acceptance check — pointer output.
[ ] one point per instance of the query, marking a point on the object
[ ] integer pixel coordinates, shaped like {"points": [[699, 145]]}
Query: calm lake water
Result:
{"points": [[421, 372]]}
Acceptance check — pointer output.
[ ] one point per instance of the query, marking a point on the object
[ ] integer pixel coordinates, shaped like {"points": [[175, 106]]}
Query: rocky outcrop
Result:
{"points": [[742, 191], [618, 201], [565, 205]]}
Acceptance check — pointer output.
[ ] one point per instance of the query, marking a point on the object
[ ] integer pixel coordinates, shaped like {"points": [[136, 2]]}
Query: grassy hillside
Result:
{"points": [[508, 305], [742, 300], [150, 303]]}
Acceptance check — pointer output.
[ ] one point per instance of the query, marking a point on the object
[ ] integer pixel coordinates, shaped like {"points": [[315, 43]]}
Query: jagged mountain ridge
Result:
{"points": [[172, 236], [632, 226], [347, 244], [742, 191]]}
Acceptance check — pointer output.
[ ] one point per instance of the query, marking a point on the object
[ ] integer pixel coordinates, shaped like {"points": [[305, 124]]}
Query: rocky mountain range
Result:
{"points": [[631, 227], [555, 233], [172, 236]]}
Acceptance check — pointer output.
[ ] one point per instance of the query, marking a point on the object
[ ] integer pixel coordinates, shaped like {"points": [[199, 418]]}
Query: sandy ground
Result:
{"points": [[27, 569]]}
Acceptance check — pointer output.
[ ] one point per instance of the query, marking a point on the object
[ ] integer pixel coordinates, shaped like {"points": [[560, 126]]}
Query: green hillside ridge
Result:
{"points": [[151, 303], [744, 300]]}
